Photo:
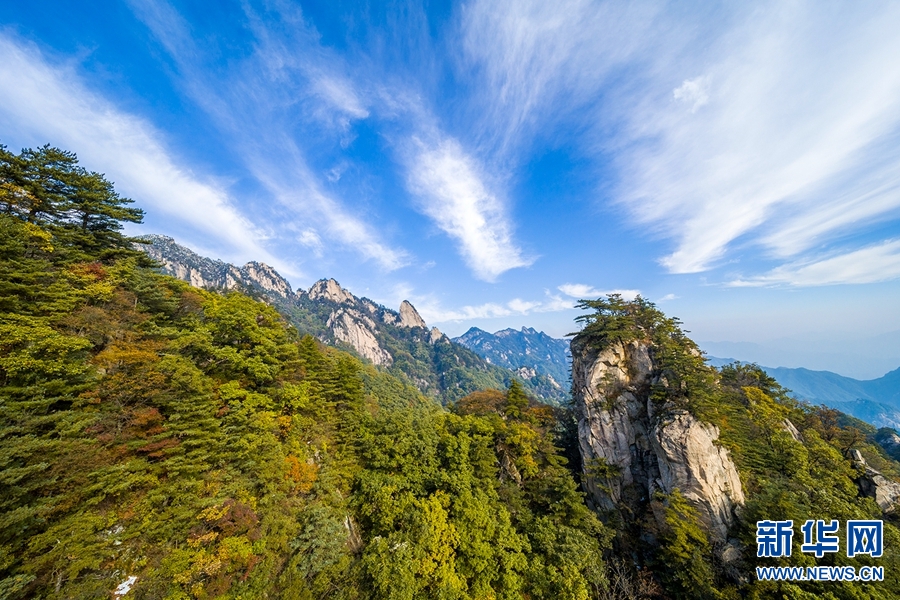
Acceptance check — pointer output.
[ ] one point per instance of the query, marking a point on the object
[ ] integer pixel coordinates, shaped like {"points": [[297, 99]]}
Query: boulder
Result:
{"points": [[873, 484]]}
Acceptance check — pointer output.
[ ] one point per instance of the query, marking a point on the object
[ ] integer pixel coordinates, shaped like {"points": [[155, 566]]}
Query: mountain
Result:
{"points": [[159, 440], [398, 341], [185, 264], [528, 352], [876, 401], [684, 461]]}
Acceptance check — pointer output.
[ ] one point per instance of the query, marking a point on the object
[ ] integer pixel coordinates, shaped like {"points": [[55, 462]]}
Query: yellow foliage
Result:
{"points": [[40, 236], [212, 514], [284, 423], [232, 548], [200, 540]]}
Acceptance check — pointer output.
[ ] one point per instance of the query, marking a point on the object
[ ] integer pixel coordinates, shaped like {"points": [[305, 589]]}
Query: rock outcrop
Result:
{"points": [[436, 336], [873, 484], [358, 330], [409, 316], [633, 448], [203, 272], [690, 461], [331, 290]]}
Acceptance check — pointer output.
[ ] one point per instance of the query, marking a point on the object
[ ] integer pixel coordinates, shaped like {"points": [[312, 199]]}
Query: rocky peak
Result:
{"points": [[436, 335], [409, 317], [267, 278], [329, 289], [202, 272], [632, 448]]}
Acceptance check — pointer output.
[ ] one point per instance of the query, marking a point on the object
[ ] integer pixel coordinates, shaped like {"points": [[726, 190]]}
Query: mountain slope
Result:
{"points": [[164, 441], [399, 341], [684, 461], [528, 352], [876, 401]]}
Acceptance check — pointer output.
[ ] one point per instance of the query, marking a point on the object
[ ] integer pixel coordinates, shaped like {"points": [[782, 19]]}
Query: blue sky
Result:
{"points": [[737, 163]]}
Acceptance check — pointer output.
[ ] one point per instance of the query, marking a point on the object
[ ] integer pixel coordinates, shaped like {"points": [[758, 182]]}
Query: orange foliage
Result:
{"points": [[92, 270], [303, 474]]}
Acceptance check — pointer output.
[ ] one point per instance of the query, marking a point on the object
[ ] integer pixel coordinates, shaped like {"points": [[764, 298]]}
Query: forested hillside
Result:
{"points": [[162, 441], [875, 401], [397, 341]]}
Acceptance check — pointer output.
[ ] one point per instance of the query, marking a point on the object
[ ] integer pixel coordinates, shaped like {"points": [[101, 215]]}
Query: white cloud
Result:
{"points": [[288, 82], [311, 239], [794, 147], [538, 63], [694, 92], [339, 93], [804, 100], [455, 196], [434, 312], [880, 262], [584, 291], [579, 290], [50, 102]]}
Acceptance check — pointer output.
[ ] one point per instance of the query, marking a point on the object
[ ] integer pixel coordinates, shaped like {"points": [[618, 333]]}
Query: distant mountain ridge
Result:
{"points": [[876, 401], [399, 341], [185, 264], [527, 351]]}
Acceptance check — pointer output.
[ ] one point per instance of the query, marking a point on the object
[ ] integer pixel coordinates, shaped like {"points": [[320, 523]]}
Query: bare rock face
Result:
{"points": [[612, 435], [873, 484], [201, 272], [792, 430], [357, 329], [632, 448], [330, 289], [267, 278], [409, 317], [690, 461], [435, 336]]}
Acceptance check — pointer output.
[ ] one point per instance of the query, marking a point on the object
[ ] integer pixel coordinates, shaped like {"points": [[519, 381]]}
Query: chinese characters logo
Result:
{"points": [[773, 538]]}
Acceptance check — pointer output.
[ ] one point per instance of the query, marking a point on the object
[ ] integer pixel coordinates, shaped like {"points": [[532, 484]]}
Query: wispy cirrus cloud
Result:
{"points": [[797, 113], [770, 131], [534, 65], [287, 83], [454, 194], [583, 291], [872, 264], [45, 100]]}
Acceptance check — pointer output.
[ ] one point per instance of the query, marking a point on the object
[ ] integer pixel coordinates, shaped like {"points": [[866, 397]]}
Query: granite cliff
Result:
{"points": [[634, 446], [682, 459]]}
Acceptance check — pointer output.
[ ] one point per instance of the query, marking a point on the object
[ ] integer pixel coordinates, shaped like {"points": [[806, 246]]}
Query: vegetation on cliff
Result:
{"points": [[194, 445], [794, 462]]}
